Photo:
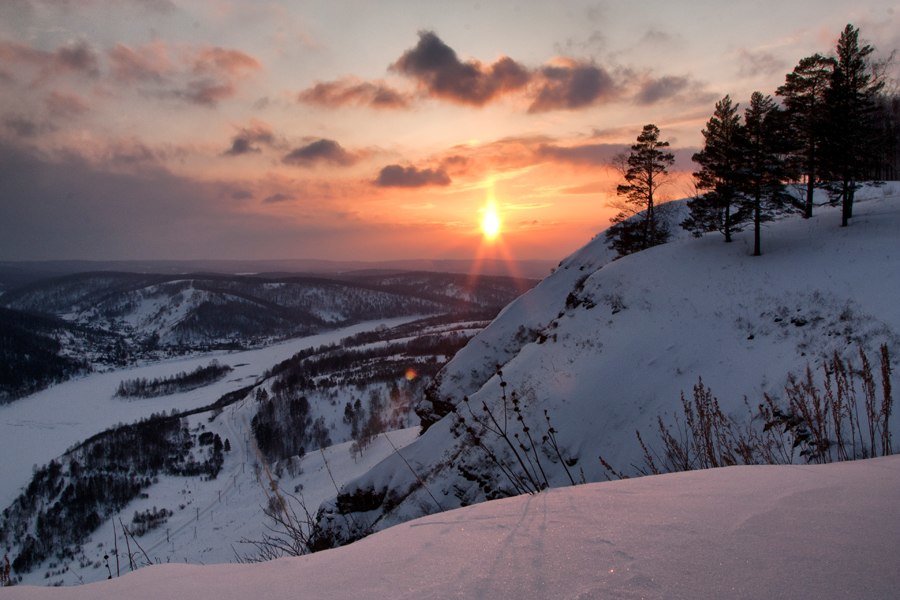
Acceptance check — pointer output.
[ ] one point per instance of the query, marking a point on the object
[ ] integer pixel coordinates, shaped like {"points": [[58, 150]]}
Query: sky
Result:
{"points": [[219, 129]]}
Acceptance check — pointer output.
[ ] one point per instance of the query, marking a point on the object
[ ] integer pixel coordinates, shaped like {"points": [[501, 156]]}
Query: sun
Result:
{"points": [[490, 223]]}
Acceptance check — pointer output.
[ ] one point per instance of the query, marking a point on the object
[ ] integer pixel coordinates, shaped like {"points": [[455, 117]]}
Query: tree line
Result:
{"points": [[142, 387], [829, 126]]}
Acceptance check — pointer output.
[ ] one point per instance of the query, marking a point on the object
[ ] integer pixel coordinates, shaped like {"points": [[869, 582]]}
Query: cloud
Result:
{"points": [[241, 195], [24, 127], [64, 105], [204, 92], [352, 92], [247, 138], [276, 198], [145, 63], [201, 75], [569, 84], [67, 206], [662, 88], [76, 58], [319, 151], [217, 61], [759, 63], [583, 154], [410, 177], [437, 69]]}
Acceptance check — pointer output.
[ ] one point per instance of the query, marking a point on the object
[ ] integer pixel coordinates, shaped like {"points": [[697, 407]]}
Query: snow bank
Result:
{"points": [[827, 531]]}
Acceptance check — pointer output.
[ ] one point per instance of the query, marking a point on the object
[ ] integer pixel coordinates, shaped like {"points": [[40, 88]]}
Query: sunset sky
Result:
{"points": [[168, 129]]}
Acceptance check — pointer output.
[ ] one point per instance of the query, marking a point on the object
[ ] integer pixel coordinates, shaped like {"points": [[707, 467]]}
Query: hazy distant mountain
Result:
{"points": [[14, 274]]}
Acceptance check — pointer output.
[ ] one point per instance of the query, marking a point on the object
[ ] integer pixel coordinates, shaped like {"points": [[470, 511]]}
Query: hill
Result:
{"points": [[607, 348], [110, 319]]}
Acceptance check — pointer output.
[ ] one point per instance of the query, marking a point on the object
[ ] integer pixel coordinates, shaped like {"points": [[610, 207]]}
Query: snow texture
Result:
{"points": [[829, 531]]}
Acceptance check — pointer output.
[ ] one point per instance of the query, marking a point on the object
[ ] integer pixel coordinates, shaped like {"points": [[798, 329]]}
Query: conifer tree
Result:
{"points": [[804, 92], [764, 162], [851, 110], [721, 178], [645, 170]]}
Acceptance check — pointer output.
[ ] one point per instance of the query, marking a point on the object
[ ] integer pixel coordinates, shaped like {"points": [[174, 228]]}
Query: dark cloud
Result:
{"points": [[78, 57], [276, 198], [242, 195], [411, 177], [63, 105], [24, 127], [349, 92], [439, 70], [583, 154], [662, 88], [571, 85], [241, 145], [319, 151], [204, 92], [247, 139]]}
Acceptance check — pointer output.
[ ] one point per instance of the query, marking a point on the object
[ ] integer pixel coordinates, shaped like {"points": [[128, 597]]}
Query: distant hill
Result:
{"points": [[115, 318], [15, 274]]}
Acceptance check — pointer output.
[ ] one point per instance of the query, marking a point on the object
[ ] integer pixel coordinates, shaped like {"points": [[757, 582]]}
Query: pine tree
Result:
{"points": [[804, 92], [722, 207], [645, 170], [764, 162], [851, 109]]}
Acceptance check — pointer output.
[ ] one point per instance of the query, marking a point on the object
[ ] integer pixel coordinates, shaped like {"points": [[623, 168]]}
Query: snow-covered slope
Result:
{"points": [[608, 347], [828, 531]]}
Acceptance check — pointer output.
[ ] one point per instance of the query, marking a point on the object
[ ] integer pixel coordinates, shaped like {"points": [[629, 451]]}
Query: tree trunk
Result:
{"points": [[728, 222], [845, 204], [757, 217], [810, 190]]}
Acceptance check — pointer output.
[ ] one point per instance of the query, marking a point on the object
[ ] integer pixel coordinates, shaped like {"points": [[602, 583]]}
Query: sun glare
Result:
{"points": [[490, 223], [490, 220]]}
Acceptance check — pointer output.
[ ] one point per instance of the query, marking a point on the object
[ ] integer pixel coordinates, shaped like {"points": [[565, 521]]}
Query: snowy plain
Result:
{"points": [[828, 531]]}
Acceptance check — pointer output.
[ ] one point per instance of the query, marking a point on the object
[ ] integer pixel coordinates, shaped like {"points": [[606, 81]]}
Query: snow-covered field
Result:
{"points": [[40, 427], [828, 531]]}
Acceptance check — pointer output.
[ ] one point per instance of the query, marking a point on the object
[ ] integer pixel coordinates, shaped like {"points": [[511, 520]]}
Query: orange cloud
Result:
{"points": [[352, 92]]}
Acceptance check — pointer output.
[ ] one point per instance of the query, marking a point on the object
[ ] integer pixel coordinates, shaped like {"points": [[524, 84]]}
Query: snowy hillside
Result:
{"points": [[608, 347], [829, 531], [101, 320], [190, 479]]}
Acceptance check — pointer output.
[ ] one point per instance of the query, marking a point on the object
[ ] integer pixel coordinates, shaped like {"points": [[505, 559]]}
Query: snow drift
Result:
{"points": [[829, 531]]}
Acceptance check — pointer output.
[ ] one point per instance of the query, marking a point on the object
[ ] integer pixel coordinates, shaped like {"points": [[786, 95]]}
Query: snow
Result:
{"points": [[645, 328], [40, 427], [829, 531]]}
